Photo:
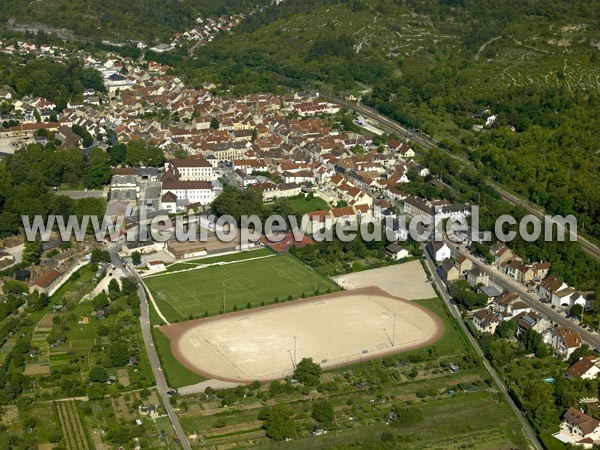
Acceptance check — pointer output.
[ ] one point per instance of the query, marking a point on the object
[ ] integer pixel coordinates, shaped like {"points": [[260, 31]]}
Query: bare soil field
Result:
{"points": [[334, 330], [407, 280], [36, 369]]}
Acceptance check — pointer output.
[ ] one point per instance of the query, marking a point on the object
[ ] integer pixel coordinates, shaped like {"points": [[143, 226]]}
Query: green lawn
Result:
{"points": [[177, 375], [301, 205], [184, 294], [453, 340], [216, 259]]}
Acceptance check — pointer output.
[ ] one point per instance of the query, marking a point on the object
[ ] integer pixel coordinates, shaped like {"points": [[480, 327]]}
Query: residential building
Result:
{"points": [[565, 341], [476, 277], [439, 251], [396, 251], [578, 428], [485, 321], [191, 169], [585, 368], [501, 253]]}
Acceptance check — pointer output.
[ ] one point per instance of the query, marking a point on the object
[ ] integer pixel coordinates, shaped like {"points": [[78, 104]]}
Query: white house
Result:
{"points": [[564, 341], [578, 428], [395, 251], [584, 369], [439, 250]]}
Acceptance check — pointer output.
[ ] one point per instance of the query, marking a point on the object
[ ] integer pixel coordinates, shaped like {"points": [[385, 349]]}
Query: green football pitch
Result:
{"points": [[192, 293]]}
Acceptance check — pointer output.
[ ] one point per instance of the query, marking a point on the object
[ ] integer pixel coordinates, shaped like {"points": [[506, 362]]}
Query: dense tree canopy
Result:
{"points": [[55, 81], [308, 372], [27, 176]]}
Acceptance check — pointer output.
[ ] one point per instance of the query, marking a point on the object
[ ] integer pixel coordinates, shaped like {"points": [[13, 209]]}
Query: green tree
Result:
{"points": [[579, 353], [214, 123], [113, 289], [98, 374], [128, 285], [180, 153], [322, 411], [308, 372], [100, 301], [96, 392], [118, 435], [118, 354], [576, 311], [99, 172], [100, 256], [32, 252], [136, 258], [278, 422], [117, 154], [507, 329]]}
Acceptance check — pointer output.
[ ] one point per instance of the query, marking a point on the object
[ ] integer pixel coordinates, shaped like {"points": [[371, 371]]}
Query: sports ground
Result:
{"points": [[236, 284], [334, 329], [407, 280]]}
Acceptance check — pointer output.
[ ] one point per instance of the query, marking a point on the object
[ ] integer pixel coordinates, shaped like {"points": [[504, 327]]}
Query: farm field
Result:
{"points": [[192, 294], [72, 429], [470, 418]]}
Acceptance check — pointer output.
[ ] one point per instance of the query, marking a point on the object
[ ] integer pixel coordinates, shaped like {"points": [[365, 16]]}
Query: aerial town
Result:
{"points": [[277, 341]]}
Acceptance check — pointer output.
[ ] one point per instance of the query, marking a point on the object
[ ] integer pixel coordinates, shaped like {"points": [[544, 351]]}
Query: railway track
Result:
{"points": [[428, 143]]}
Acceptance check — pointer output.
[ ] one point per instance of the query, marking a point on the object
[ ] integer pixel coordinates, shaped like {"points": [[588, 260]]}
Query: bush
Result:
{"points": [[220, 423]]}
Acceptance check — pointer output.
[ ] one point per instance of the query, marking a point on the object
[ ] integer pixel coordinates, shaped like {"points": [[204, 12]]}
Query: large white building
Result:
{"points": [[191, 169], [187, 181]]}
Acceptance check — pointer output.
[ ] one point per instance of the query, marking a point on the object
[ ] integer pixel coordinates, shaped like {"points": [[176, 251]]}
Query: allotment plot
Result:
{"points": [[333, 330]]}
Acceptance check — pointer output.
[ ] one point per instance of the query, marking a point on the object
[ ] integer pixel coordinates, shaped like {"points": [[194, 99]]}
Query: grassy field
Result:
{"points": [[301, 205], [223, 258], [193, 293], [176, 374]]}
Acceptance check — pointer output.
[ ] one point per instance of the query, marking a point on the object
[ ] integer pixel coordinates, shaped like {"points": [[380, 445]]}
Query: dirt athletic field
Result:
{"points": [[334, 330], [406, 280]]}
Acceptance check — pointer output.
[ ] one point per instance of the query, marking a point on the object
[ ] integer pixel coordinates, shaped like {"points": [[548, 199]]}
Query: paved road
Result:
{"points": [[161, 382], [587, 246], [530, 298], [456, 313], [428, 143]]}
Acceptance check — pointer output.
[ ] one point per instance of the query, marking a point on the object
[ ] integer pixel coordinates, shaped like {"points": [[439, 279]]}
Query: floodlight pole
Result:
{"points": [[394, 332], [223, 296], [295, 342]]}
